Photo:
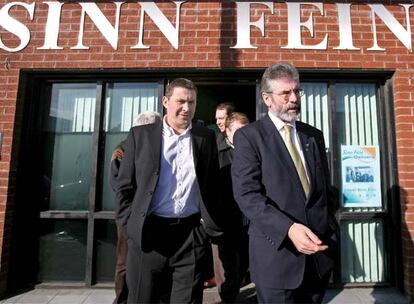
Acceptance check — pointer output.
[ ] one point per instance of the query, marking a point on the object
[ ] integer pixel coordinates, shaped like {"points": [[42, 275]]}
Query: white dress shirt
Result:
{"points": [[177, 193], [280, 126]]}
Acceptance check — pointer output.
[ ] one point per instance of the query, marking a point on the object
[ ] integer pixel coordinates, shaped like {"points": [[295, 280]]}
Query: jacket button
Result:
{"points": [[143, 214], [151, 192]]}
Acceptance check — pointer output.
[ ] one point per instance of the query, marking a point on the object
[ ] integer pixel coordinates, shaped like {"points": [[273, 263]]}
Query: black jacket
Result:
{"points": [[234, 220], [269, 192], [140, 169]]}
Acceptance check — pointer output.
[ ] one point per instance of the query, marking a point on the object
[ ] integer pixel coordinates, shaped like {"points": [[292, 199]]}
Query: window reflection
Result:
{"points": [[314, 108], [105, 250], [363, 251], [67, 147], [124, 102], [62, 252]]}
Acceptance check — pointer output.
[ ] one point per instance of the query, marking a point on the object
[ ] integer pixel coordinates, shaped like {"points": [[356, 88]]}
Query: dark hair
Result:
{"points": [[228, 106], [236, 116], [278, 71], [179, 83]]}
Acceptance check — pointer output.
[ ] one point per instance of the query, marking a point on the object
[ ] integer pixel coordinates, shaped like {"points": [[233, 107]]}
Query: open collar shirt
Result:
{"points": [[177, 193]]}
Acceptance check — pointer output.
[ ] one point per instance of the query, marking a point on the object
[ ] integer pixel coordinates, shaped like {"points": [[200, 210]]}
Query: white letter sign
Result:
{"points": [[98, 18], [345, 27], [244, 24], [15, 27], [404, 35], [165, 26], [295, 27], [52, 26]]}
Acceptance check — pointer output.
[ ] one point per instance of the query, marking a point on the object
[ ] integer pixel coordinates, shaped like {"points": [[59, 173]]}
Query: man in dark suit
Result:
{"points": [[281, 183], [167, 195], [231, 254]]}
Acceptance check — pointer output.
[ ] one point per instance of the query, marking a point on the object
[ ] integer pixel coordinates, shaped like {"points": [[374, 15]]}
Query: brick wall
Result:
{"points": [[207, 30]]}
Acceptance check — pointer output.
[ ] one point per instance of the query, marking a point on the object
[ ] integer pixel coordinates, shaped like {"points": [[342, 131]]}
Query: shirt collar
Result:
{"points": [[229, 143], [280, 124], [169, 132]]}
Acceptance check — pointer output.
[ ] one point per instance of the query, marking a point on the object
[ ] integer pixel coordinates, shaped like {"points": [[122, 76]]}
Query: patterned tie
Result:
{"points": [[294, 153]]}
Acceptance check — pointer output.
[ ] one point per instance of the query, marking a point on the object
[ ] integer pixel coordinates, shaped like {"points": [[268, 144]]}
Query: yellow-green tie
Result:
{"points": [[294, 154]]}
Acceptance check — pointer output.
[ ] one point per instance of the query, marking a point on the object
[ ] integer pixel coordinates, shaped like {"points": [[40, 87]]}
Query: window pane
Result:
{"points": [[362, 242], [358, 127], [314, 108], [363, 251], [124, 102], [357, 113], [106, 250], [62, 252], [67, 146]]}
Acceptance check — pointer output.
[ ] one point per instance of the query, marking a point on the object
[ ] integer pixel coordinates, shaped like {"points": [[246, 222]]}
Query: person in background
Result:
{"points": [[223, 110], [121, 289], [166, 192], [231, 254], [281, 182]]}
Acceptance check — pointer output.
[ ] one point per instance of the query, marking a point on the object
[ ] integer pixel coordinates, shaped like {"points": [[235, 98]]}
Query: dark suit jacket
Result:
{"points": [[140, 170], [268, 190], [234, 219]]}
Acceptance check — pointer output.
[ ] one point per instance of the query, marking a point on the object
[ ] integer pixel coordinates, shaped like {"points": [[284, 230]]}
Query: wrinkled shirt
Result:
{"points": [[177, 193]]}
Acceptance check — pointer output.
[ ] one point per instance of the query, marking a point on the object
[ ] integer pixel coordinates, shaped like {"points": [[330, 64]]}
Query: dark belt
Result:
{"points": [[192, 220]]}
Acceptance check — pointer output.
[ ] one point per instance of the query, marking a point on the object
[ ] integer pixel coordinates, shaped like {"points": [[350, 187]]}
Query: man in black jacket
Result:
{"points": [[166, 190], [281, 182], [231, 254]]}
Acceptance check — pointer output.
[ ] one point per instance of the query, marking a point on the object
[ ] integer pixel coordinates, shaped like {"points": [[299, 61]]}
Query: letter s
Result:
{"points": [[15, 27]]}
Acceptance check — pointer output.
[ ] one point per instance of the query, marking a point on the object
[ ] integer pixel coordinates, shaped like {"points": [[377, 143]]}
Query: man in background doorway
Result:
{"points": [[121, 289], [223, 110], [231, 254], [281, 182]]}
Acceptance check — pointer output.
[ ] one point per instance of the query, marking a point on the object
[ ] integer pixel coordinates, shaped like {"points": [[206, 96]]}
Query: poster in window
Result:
{"points": [[361, 179]]}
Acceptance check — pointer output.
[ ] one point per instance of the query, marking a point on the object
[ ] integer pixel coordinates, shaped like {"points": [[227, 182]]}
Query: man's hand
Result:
{"points": [[117, 154], [305, 240]]}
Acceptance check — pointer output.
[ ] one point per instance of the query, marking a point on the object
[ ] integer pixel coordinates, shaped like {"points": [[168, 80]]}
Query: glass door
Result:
{"points": [[81, 127], [67, 131]]}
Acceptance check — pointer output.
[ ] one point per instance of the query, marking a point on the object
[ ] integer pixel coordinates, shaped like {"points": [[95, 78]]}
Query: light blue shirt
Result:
{"points": [[177, 193]]}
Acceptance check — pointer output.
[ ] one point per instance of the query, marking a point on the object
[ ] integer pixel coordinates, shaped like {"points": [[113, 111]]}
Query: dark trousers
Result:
{"points": [[121, 289], [168, 268], [231, 261], [311, 290]]}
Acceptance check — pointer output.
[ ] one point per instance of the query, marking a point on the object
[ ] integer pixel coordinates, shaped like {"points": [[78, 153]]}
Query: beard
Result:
{"points": [[284, 114]]}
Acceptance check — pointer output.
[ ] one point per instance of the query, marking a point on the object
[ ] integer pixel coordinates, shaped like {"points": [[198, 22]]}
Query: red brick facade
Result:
{"points": [[207, 32]]}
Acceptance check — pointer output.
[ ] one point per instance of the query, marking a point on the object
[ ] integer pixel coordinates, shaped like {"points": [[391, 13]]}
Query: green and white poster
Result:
{"points": [[361, 178]]}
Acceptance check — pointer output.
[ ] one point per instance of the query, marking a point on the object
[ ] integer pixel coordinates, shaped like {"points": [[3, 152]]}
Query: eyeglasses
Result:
{"points": [[286, 94]]}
